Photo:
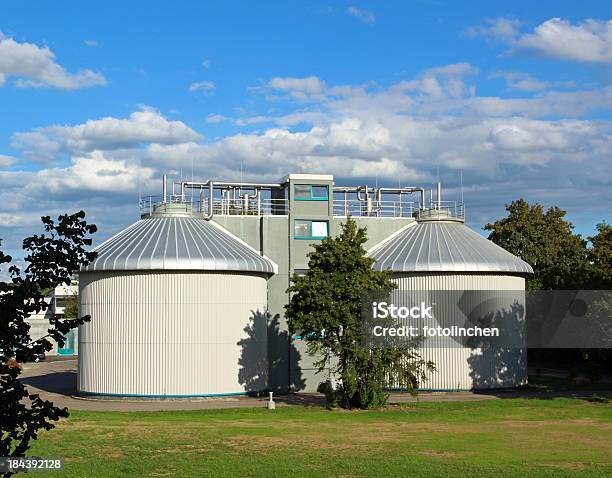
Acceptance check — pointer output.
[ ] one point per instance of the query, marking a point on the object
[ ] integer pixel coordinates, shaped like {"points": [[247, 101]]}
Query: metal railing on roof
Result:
{"points": [[221, 206], [267, 206], [354, 207]]}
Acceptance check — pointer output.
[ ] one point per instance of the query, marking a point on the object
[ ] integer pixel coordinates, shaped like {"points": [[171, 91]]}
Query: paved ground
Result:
{"points": [[55, 380]]}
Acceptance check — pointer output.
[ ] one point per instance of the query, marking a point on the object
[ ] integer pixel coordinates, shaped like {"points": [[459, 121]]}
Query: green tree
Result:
{"points": [[543, 239], [325, 309], [598, 361], [71, 306], [600, 258], [52, 258]]}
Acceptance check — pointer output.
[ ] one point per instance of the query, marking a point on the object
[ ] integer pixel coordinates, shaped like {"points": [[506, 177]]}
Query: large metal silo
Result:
{"points": [[440, 253], [178, 309]]}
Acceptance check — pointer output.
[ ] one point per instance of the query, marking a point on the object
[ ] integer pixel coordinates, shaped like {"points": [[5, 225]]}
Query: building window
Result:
{"points": [[310, 229], [310, 192]]}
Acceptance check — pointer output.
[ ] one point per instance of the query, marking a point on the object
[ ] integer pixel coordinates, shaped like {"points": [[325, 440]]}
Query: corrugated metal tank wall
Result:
{"points": [[461, 368], [167, 333]]}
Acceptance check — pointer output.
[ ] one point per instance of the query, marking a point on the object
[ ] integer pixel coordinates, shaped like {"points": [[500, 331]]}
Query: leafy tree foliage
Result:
{"points": [[52, 258], [325, 309], [545, 240], [561, 261], [71, 307], [600, 258]]}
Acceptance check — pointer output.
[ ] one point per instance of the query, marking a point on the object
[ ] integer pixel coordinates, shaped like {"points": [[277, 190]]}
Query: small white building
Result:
{"points": [[39, 323]]}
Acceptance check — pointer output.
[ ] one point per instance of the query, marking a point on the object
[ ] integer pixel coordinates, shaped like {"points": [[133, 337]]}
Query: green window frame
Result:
{"points": [[302, 229], [311, 192]]}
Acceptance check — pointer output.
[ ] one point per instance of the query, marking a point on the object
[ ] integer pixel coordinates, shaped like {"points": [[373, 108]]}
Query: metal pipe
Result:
{"points": [[367, 194], [439, 195], [165, 187], [199, 184], [211, 203], [368, 205], [406, 189], [213, 184]]}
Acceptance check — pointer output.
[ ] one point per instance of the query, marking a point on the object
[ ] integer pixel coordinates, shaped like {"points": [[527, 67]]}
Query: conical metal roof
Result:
{"points": [[177, 243], [444, 246]]}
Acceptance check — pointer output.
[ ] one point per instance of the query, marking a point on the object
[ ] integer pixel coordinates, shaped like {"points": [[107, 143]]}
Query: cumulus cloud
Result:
{"points": [[94, 172], [216, 118], [35, 67], [202, 86], [586, 41], [534, 146], [310, 84], [144, 126], [499, 28], [6, 161], [524, 81], [364, 15], [443, 81], [309, 88], [12, 220]]}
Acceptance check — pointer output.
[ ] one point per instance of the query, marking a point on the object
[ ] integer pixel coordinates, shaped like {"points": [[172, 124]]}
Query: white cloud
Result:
{"points": [[206, 63], [588, 41], [91, 43], [144, 126], [310, 84], [443, 81], [37, 146], [363, 15], [35, 66], [94, 172], [12, 220], [216, 118], [536, 146], [499, 28], [521, 81], [6, 161], [202, 86]]}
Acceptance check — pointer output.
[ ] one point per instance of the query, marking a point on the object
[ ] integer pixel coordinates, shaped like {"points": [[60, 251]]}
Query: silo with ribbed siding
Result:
{"points": [[438, 254], [178, 309]]}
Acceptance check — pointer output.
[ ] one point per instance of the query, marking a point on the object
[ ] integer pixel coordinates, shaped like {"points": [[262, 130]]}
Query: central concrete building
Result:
{"points": [[202, 254]]}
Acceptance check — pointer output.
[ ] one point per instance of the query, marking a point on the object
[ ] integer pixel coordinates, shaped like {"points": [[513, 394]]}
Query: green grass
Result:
{"points": [[514, 437]]}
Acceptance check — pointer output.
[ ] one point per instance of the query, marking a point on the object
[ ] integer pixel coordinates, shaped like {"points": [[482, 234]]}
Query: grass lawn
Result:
{"points": [[513, 437]]}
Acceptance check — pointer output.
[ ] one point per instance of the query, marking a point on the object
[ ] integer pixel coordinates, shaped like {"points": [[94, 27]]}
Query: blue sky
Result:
{"points": [[98, 100]]}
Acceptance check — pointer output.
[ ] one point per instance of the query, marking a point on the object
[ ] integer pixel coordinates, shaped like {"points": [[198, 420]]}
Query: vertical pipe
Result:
{"points": [[211, 204], [400, 204], [439, 195], [165, 187]]}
